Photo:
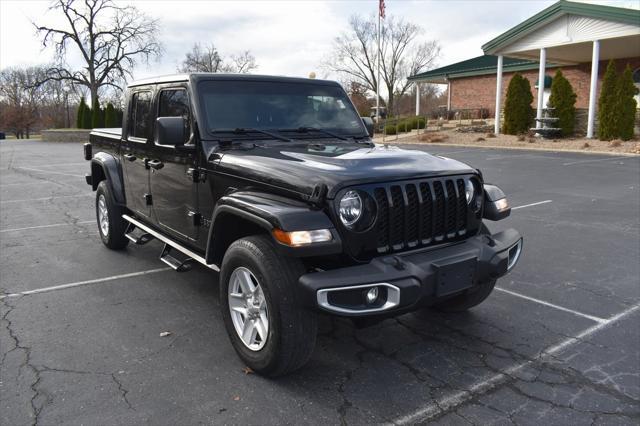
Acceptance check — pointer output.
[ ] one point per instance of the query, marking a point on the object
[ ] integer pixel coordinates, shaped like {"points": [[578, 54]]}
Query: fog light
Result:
{"points": [[372, 295]]}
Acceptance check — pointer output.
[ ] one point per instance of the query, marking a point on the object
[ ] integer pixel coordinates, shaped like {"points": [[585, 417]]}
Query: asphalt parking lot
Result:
{"points": [[557, 343]]}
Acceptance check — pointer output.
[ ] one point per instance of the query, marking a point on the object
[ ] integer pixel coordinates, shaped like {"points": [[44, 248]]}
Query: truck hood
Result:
{"points": [[300, 167]]}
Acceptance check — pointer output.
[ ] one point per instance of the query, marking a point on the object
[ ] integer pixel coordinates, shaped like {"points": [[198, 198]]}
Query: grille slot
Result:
{"points": [[420, 213]]}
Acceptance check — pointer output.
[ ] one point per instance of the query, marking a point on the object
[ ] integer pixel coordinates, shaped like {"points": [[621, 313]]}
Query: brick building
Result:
{"points": [[569, 36]]}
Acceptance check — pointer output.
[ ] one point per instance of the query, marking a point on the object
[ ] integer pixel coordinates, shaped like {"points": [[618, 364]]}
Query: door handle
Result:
{"points": [[155, 164], [130, 157]]}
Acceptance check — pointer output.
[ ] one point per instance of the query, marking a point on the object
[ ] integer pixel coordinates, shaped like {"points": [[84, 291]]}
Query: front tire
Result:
{"points": [[270, 331], [111, 225]]}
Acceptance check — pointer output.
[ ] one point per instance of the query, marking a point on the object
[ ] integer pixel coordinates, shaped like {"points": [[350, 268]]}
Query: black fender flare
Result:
{"points": [[263, 212], [106, 167]]}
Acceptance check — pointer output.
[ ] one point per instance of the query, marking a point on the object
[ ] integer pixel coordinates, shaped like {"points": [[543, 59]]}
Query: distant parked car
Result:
{"points": [[2, 135]]}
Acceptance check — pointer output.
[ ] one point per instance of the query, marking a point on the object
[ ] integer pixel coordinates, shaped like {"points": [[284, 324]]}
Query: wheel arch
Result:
{"points": [[106, 167]]}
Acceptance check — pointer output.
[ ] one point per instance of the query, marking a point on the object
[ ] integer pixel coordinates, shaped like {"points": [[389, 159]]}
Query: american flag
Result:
{"points": [[381, 7]]}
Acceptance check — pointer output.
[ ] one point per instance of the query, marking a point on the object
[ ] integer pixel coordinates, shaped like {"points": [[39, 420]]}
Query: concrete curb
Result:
{"points": [[516, 148]]}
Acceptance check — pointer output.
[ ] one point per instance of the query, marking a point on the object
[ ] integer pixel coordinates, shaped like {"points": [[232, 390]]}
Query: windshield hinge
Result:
{"points": [[196, 175], [318, 195]]}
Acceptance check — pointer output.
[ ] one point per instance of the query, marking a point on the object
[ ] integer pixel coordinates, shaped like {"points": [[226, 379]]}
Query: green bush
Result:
{"points": [[401, 127], [96, 116], [110, 117], [563, 99], [86, 117], [80, 113], [390, 129], [626, 105], [518, 113], [412, 123], [421, 123], [607, 126]]}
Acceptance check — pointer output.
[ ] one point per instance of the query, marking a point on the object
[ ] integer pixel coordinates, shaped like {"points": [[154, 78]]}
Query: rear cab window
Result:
{"points": [[139, 126]]}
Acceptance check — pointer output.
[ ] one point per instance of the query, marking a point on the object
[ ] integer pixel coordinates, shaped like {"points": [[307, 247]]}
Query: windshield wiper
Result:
{"points": [[316, 129], [264, 132]]}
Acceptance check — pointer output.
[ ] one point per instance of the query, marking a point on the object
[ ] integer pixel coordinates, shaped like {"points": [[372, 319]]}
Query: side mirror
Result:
{"points": [[368, 123], [171, 131]]}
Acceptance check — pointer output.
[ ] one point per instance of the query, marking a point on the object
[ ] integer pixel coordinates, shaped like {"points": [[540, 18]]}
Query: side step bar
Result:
{"points": [[176, 264], [171, 243], [138, 240]]}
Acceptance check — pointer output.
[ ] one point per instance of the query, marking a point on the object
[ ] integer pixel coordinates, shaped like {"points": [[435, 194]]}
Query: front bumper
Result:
{"points": [[411, 280]]}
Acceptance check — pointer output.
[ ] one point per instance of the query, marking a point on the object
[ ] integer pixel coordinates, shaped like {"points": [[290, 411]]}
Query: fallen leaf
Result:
{"points": [[236, 398], [165, 334], [247, 370]]}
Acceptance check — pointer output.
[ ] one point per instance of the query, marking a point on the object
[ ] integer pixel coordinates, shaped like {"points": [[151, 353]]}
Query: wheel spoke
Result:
{"points": [[246, 283], [249, 332], [237, 303], [260, 329]]}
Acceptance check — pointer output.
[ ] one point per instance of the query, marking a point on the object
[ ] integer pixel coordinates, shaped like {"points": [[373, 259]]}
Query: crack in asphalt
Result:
{"points": [[36, 391]]}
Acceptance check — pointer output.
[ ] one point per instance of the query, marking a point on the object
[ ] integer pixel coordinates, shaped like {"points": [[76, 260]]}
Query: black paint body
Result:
{"points": [[217, 188]]}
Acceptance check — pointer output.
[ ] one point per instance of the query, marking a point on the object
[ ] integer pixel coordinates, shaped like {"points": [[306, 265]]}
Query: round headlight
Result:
{"points": [[469, 190], [350, 208]]}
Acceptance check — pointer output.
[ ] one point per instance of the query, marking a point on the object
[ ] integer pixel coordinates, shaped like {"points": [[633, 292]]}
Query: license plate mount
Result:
{"points": [[455, 277]]}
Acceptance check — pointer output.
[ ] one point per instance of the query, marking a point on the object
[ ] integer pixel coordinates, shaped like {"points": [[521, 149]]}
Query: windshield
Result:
{"points": [[268, 105]]}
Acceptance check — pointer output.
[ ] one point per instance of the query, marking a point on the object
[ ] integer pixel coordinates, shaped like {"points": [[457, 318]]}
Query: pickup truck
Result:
{"points": [[275, 184]]}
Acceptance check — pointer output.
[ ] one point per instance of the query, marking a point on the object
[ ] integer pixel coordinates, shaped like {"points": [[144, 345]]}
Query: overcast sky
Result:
{"points": [[286, 37]]}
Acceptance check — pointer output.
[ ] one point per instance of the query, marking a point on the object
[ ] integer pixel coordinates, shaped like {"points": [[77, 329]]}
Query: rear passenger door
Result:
{"points": [[175, 194], [135, 152]]}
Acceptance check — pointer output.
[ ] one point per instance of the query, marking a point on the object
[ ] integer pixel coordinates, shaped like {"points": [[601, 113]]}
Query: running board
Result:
{"points": [[171, 243], [176, 264], [138, 240]]}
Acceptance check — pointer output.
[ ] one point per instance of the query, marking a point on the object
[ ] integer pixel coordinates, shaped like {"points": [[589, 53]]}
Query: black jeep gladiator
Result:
{"points": [[275, 183]]}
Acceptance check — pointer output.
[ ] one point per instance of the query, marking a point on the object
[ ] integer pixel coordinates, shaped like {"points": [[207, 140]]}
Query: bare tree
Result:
{"points": [[22, 97], [243, 63], [110, 40], [201, 59], [208, 59], [355, 54]]}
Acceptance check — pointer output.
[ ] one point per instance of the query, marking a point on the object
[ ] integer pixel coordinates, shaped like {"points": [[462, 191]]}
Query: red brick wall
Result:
{"points": [[480, 91]]}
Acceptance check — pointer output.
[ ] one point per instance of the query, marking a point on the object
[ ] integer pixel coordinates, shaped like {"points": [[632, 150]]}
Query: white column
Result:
{"points": [[595, 58], [543, 59], [496, 129], [417, 98]]}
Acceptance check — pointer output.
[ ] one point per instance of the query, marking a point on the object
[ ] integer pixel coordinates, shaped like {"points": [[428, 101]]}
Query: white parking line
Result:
{"points": [[82, 283], [47, 226], [446, 403], [459, 152], [59, 164], [532, 204], [551, 305], [594, 161], [53, 197], [48, 171]]}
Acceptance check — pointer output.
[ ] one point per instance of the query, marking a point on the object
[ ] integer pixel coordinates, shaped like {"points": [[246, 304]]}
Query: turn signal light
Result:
{"points": [[301, 238]]}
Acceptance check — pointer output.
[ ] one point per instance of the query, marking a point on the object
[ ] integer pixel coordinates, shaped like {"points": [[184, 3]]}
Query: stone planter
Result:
{"points": [[66, 135]]}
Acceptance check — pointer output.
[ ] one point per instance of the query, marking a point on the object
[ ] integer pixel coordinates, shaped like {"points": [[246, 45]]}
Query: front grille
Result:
{"points": [[421, 213]]}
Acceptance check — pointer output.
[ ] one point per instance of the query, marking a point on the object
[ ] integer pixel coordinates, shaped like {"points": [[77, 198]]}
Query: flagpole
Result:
{"points": [[378, 80]]}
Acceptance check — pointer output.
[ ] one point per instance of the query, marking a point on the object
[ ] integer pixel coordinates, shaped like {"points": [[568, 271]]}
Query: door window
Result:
{"points": [[175, 103], [139, 119]]}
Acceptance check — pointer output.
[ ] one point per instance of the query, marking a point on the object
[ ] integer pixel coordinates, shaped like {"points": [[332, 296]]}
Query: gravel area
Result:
{"points": [[455, 137]]}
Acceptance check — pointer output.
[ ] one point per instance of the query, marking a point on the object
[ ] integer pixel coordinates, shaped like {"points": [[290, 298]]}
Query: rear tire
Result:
{"points": [[290, 329], [472, 297], [111, 225]]}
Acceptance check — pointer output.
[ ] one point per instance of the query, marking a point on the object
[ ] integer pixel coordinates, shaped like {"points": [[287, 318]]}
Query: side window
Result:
{"points": [[175, 103], [139, 118]]}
